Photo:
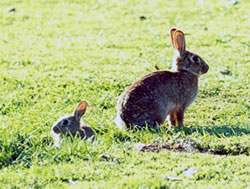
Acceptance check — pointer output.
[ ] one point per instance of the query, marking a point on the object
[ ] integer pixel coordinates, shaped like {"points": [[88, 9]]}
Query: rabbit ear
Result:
{"points": [[172, 36], [179, 41], [80, 110]]}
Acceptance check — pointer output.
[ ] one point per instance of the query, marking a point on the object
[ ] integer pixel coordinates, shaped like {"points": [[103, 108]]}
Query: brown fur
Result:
{"points": [[149, 100]]}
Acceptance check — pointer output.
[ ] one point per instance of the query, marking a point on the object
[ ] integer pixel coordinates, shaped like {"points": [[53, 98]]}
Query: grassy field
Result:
{"points": [[54, 54]]}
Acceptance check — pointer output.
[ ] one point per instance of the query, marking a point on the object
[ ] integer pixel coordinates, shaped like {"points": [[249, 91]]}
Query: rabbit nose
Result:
{"points": [[204, 69], [56, 130]]}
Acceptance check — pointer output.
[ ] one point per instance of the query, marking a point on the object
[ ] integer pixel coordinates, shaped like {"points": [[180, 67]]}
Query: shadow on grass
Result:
{"points": [[219, 131]]}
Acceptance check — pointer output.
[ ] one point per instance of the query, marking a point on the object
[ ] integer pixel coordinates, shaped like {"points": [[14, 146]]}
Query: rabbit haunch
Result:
{"points": [[71, 125], [159, 94]]}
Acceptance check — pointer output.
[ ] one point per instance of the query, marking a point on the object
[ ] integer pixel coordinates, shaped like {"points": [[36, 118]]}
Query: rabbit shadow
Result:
{"points": [[219, 131]]}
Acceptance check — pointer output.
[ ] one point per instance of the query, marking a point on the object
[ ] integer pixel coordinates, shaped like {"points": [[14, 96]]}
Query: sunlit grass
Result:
{"points": [[57, 53]]}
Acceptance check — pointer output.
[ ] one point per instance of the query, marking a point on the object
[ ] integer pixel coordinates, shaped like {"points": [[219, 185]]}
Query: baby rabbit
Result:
{"points": [[149, 100], [71, 125]]}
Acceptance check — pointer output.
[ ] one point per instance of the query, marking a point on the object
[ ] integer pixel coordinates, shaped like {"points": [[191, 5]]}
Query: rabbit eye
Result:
{"points": [[195, 58], [65, 122]]}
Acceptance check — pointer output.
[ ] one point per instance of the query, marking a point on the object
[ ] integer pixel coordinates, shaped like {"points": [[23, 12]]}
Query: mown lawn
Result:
{"points": [[54, 54]]}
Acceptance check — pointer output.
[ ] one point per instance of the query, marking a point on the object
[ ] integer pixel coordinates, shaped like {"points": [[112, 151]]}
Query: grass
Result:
{"points": [[56, 53]]}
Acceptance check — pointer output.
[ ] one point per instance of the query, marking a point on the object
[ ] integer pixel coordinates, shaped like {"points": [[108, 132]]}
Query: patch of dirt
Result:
{"points": [[180, 146], [183, 146]]}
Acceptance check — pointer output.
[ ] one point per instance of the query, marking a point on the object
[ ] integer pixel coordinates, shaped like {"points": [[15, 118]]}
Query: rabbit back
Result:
{"points": [[87, 132], [150, 99]]}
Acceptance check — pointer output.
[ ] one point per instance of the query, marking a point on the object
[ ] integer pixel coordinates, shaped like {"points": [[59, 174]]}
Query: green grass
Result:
{"points": [[55, 53]]}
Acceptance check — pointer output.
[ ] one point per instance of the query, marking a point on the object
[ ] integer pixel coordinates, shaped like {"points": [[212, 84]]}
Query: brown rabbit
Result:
{"points": [[71, 125], [149, 100]]}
